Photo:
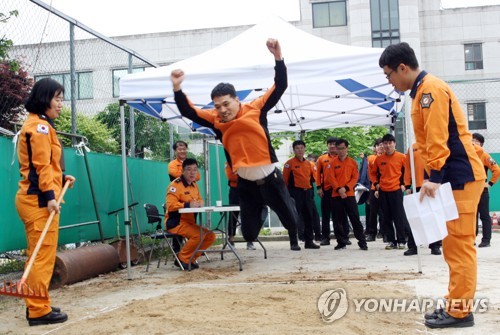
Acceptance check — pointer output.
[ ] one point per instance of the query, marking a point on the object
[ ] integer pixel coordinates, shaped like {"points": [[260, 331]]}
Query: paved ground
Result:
{"points": [[274, 296]]}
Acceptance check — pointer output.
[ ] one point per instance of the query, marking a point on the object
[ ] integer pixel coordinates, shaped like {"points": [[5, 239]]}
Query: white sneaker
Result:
{"points": [[250, 246]]}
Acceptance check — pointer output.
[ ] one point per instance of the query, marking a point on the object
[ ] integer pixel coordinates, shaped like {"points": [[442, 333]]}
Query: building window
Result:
{"points": [[329, 14], [117, 74], [385, 22], [476, 114], [473, 56], [84, 84]]}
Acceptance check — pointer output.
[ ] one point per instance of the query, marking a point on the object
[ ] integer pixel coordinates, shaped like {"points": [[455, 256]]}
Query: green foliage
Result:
{"points": [[199, 158], [266, 232], [150, 134], [278, 138], [360, 139], [15, 83], [95, 131], [11, 266]]}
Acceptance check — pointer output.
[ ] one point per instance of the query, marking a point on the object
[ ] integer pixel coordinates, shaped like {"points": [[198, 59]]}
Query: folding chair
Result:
{"points": [[160, 236]]}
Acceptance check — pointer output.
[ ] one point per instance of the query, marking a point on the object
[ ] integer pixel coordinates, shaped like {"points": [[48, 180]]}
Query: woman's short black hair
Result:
{"points": [[42, 93]]}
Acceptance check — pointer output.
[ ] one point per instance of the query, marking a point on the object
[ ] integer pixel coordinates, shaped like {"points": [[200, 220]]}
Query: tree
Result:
{"points": [[15, 84], [360, 139], [94, 130], [150, 133]]}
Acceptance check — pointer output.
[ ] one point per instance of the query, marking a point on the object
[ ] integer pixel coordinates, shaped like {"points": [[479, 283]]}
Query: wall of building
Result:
{"points": [[437, 35]]}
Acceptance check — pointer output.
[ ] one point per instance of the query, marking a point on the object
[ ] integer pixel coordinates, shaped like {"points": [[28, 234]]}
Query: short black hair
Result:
{"points": [[396, 54], [478, 137], [223, 89], [42, 93], [298, 142], [177, 143], [331, 140], [342, 141], [189, 161], [388, 138], [377, 141]]}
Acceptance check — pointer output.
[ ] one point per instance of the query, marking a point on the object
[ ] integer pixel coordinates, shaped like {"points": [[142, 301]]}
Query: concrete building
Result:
{"points": [[460, 45]]}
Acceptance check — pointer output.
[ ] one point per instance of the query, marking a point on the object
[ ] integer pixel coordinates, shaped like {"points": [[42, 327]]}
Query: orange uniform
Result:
{"points": [[345, 174], [231, 176], [419, 167], [314, 169], [298, 174], [179, 195], [389, 172], [372, 167], [246, 138], [489, 164], [324, 173], [175, 170], [39, 153], [446, 146]]}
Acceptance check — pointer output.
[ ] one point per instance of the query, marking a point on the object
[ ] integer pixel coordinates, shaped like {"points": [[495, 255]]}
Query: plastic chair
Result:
{"points": [[160, 236]]}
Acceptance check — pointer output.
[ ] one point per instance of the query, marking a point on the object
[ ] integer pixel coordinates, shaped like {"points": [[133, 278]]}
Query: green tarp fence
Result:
{"points": [[149, 181]]}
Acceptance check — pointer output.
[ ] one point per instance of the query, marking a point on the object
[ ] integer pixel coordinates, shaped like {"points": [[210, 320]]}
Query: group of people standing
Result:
{"points": [[442, 139]]}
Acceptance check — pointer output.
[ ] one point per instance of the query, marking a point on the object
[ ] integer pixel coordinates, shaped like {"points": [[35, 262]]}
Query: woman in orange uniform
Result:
{"points": [[39, 153]]}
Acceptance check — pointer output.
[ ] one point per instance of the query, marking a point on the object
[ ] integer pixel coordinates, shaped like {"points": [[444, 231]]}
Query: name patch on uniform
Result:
{"points": [[172, 189], [42, 129], [426, 100]]}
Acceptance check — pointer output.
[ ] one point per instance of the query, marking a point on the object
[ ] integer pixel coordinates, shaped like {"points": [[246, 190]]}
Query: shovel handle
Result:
{"points": [[42, 237]]}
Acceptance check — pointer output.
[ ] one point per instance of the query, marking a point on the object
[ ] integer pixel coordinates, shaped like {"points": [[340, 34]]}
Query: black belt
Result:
{"points": [[262, 181], [300, 188]]}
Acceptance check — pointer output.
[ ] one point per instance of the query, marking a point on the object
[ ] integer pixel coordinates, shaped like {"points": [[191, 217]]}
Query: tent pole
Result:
{"points": [[218, 169], [208, 199], [126, 218], [409, 139]]}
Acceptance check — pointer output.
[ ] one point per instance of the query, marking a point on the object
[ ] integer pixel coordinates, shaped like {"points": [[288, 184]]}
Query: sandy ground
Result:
{"points": [[278, 295]]}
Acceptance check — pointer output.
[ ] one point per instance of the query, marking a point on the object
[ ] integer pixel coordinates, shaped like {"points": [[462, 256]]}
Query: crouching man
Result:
{"points": [[183, 192]]}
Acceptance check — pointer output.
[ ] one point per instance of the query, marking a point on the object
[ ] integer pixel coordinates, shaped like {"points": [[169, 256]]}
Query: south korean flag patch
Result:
{"points": [[426, 100], [42, 129], [172, 189]]}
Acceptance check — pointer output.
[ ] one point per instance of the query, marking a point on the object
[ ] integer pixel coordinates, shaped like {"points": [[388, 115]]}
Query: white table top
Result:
{"points": [[230, 208]]}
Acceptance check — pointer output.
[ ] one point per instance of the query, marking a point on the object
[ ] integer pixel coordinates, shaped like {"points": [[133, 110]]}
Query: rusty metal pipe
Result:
{"points": [[83, 263]]}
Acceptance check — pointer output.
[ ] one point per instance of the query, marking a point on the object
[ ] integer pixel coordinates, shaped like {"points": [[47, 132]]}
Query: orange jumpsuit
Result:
{"points": [[483, 207], [175, 170], [299, 177], [346, 175], [298, 174], [445, 143], [39, 153], [179, 195]]}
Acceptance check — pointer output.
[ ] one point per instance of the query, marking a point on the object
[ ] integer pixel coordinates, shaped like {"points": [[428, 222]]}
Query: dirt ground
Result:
{"points": [[278, 295]]}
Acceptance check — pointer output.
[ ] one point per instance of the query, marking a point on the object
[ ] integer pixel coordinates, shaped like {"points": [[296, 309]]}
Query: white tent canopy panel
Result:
{"points": [[329, 84]]}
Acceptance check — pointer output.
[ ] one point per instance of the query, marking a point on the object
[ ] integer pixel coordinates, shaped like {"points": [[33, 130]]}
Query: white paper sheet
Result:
{"points": [[428, 218]]}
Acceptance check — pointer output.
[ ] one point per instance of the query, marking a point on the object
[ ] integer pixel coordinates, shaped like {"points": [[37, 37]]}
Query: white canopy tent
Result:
{"points": [[329, 84]]}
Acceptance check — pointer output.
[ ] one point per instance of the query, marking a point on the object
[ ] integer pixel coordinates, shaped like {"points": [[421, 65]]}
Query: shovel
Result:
{"points": [[22, 289]]}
